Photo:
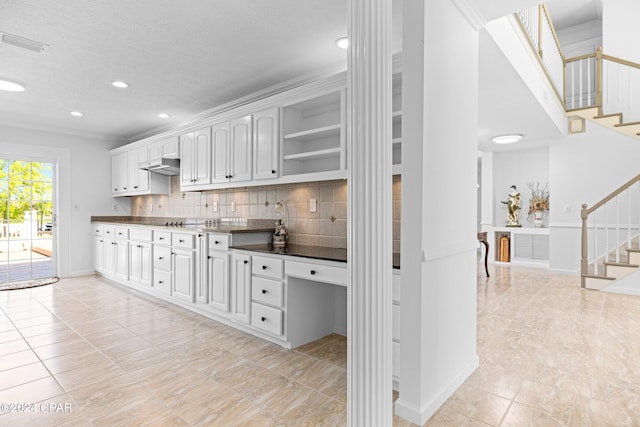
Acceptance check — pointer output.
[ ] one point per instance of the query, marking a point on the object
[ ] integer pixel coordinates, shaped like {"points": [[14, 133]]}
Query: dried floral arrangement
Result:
{"points": [[539, 200]]}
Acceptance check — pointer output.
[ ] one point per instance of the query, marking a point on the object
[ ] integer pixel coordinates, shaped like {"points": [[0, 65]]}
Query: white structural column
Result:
{"points": [[439, 208], [370, 206]]}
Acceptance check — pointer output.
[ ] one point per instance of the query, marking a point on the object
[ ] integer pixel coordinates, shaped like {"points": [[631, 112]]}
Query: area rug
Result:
{"points": [[28, 283]]}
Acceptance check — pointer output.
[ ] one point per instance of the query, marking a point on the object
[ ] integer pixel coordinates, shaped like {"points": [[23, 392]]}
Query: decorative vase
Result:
{"points": [[538, 218]]}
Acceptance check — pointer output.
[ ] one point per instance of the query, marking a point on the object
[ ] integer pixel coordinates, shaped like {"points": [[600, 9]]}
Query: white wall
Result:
{"points": [[581, 39], [84, 179], [584, 168], [620, 30], [518, 168]]}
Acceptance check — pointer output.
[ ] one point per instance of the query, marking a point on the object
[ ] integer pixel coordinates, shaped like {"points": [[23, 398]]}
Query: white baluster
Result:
{"points": [[573, 85], [628, 217], [617, 231], [595, 242], [606, 232], [580, 91], [590, 92]]}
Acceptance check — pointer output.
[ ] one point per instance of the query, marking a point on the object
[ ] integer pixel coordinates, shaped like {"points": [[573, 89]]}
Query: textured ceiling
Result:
{"points": [[179, 57]]}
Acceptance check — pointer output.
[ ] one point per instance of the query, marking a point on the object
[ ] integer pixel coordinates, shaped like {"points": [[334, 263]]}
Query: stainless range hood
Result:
{"points": [[162, 166]]}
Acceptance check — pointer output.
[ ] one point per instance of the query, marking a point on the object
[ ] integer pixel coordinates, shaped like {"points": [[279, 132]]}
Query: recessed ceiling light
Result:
{"points": [[164, 115], [342, 42], [77, 113], [11, 86], [507, 139], [120, 84]]}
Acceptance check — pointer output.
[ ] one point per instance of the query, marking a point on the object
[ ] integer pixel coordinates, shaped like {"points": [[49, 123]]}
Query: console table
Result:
{"points": [[482, 238]]}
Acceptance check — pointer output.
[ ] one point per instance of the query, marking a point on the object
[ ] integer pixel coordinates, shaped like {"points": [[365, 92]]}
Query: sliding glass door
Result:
{"points": [[27, 220]]}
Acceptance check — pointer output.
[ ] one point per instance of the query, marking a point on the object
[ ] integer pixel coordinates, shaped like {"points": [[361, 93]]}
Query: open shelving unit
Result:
{"points": [[313, 135]]}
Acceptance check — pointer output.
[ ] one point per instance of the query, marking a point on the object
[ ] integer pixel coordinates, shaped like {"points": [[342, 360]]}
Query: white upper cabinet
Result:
{"points": [[241, 149], [265, 144], [220, 142], [195, 158], [138, 178], [168, 148], [119, 174], [232, 150]]}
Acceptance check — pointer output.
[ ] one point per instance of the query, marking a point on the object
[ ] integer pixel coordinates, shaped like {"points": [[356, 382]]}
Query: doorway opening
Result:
{"points": [[27, 220]]}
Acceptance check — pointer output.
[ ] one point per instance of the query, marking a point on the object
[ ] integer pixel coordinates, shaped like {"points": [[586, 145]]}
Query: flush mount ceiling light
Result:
{"points": [[24, 43], [120, 84], [164, 115], [507, 139], [77, 113], [342, 42], [11, 86]]}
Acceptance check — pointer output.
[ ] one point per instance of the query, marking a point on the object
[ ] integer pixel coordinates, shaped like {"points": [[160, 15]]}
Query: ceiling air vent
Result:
{"points": [[24, 43]]}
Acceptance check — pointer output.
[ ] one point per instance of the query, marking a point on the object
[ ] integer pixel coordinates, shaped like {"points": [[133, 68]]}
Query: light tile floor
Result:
{"points": [[87, 352]]}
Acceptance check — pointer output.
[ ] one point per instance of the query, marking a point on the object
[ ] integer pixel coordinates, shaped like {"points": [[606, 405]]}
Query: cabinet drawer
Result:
{"points": [[268, 267], [266, 291], [219, 242], [395, 327], [162, 258], [98, 230], [317, 272], [109, 231], [183, 240], [162, 237], [162, 281], [140, 234], [266, 318], [122, 233]]}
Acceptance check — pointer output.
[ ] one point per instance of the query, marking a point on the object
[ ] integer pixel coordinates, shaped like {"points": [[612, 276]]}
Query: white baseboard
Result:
{"points": [[420, 415]]}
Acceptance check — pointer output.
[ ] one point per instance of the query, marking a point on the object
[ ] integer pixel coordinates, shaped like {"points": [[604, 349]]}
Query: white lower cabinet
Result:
{"points": [[162, 262], [241, 287], [140, 262], [267, 295], [116, 249], [218, 280], [183, 274]]}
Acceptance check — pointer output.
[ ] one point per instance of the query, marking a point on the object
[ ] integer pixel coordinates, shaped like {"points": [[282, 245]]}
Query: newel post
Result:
{"points": [[599, 78], [584, 263]]}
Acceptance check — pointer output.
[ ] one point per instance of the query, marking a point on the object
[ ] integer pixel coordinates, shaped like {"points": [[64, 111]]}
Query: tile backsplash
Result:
{"points": [[325, 227]]}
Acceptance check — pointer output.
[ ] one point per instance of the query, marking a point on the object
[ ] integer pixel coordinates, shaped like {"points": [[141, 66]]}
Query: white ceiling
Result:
{"points": [[184, 59]]}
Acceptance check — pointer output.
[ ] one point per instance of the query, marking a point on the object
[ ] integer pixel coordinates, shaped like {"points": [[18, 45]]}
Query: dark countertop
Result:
{"points": [[251, 226], [315, 252]]}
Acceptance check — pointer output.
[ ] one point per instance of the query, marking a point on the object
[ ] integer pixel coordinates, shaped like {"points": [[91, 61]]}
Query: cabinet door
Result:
{"points": [[218, 285], [241, 288], [98, 254], [146, 264], [241, 162], [119, 172], [265, 144], [138, 179], [202, 157], [220, 150], [109, 269], [202, 263], [182, 282], [121, 259], [187, 152], [134, 262]]}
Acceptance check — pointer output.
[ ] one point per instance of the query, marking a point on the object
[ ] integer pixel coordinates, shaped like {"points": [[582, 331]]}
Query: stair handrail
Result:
{"points": [[584, 215]]}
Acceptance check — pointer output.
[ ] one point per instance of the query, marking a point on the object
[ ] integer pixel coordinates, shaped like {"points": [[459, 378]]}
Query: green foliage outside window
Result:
{"points": [[25, 186]]}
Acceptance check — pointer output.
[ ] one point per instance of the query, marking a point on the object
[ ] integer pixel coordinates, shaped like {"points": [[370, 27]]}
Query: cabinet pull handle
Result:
{"points": [[160, 257], [124, 188], [264, 319], [246, 262], [264, 267], [216, 242], [199, 235], [161, 238], [273, 171], [313, 272], [135, 186], [209, 257], [160, 282], [264, 291], [181, 241]]}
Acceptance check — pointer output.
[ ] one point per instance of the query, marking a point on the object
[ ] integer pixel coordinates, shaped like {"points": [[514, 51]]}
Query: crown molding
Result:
{"points": [[470, 11]]}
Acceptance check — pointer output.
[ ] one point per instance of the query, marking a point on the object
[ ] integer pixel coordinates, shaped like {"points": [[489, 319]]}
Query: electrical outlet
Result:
{"points": [[215, 206], [233, 206], [313, 205], [567, 208], [76, 206], [114, 207], [150, 207]]}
